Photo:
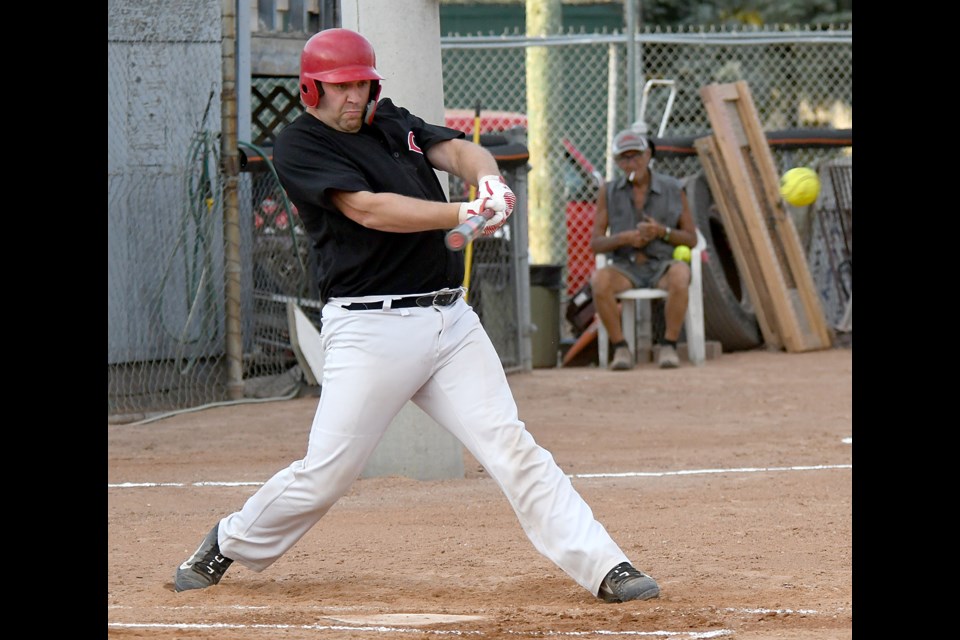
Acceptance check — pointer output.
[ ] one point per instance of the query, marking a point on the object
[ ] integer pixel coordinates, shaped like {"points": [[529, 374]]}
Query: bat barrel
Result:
{"points": [[458, 237], [456, 241]]}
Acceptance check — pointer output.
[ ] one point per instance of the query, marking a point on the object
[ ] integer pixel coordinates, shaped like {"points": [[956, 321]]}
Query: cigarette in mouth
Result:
{"points": [[631, 176]]}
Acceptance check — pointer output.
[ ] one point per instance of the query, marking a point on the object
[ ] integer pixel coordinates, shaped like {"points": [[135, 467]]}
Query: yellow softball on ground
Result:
{"points": [[800, 186], [681, 252]]}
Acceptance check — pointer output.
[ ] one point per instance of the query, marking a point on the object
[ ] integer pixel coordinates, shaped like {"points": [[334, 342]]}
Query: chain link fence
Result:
{"points": [[165, 267], [165, 204], [799, 78]]}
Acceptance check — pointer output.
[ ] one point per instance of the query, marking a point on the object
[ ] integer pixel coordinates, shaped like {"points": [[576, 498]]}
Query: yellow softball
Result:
{"points": [[800, 186]]}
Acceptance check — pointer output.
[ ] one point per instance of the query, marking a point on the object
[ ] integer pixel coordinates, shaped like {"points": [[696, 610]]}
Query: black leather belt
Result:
{"points": [[444, 299]]}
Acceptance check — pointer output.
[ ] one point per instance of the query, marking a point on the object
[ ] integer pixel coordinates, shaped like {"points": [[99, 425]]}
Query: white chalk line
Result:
{"points": [[250, 607], [629, 474], [132, 485], [682, 635], [246, 607], [694, 472]]}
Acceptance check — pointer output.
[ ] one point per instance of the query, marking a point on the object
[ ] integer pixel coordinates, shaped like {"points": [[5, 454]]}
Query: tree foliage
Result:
{"points": [[740, 12]]}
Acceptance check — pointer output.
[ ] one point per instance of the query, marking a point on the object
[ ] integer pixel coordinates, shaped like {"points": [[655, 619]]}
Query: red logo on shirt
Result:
{"points": [[413, 143]]}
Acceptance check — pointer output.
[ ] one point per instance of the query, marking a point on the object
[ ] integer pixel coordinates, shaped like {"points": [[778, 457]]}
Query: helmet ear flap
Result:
{"points": [[372, 104], [310, 92]]}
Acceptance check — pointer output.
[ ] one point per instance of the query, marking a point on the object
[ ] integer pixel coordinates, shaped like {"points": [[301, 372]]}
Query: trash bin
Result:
{"points": [[545, 284]]}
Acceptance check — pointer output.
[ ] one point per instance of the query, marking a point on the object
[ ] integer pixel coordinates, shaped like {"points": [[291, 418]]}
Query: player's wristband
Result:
{"points": [[666, 235]]}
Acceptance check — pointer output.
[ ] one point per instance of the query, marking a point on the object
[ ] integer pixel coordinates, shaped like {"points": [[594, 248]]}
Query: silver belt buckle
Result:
{"points": [[453, 296], [441, 299], [426, 301]]}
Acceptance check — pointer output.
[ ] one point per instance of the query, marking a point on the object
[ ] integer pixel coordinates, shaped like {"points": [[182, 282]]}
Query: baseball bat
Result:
{"points": [[468, 252], [462, 234]]}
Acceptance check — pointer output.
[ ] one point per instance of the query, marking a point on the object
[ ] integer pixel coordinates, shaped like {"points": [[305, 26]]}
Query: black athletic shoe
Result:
{"points": [[205, 567], [624, 582]]}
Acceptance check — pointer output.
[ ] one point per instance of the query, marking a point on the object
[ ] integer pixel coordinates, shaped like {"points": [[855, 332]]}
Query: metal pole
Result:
{"points": [[639, 77], [244, 117], [612, 69], [631, 24], [231, 211]]}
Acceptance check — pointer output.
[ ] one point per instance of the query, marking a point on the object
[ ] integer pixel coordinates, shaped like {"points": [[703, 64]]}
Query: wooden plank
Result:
{"points": [[722, 104], [782, 290], [804, 296], [736, 234]]}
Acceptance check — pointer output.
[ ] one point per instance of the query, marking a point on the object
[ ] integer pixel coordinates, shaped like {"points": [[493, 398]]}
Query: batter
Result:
{"points": [[395, 327]]}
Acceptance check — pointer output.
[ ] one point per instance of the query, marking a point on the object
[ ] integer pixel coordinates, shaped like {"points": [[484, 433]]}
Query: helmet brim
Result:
{"points": [[351, 73]]}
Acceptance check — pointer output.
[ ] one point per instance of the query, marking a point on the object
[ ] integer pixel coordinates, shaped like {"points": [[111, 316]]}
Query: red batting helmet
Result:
{"points": [[337, 55]]}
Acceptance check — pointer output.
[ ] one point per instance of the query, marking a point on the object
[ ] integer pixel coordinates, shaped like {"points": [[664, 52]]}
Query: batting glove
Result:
{"points": [[472, 208], [475, 207], [495, 188], [498, 192]]}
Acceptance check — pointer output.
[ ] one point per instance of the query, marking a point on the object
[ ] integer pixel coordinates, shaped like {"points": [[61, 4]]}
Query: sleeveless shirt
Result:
{"points": [[664, 205]]}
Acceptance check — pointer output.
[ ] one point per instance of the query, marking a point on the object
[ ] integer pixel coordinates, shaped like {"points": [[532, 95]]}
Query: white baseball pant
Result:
{"points": [[442, 359]]}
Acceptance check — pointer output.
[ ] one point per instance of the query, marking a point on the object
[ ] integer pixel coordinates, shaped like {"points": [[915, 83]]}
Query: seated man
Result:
{"points": [[648, 216]]}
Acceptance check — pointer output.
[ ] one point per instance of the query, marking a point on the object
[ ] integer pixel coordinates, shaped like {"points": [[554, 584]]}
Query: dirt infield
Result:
{"points": [[730, 483]]}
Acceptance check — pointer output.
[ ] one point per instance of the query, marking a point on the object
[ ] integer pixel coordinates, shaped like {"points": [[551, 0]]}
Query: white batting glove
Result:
{"points": [[472, 208], [494, 188], [475, 207]]}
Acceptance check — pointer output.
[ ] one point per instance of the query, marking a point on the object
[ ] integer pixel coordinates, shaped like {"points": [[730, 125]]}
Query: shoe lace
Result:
{"points": [[213, 563], [621, 572]]}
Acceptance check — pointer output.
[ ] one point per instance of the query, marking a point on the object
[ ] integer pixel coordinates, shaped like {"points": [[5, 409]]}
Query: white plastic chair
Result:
{"points": [[637, 326]]}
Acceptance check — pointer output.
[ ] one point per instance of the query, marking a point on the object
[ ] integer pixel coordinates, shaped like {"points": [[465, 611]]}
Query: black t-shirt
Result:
{"points": [[312, 158]]}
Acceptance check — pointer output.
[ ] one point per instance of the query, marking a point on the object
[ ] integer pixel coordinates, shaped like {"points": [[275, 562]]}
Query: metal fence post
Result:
{"points": [[231, 206]]}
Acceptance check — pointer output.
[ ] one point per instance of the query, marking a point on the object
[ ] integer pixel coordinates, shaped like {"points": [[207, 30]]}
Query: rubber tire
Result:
{"points": [[727, 311]]}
